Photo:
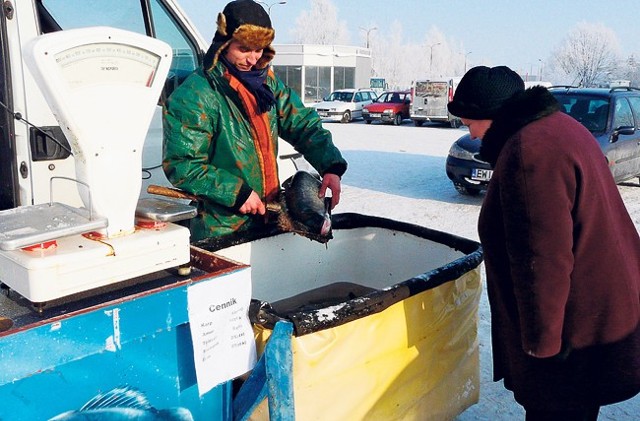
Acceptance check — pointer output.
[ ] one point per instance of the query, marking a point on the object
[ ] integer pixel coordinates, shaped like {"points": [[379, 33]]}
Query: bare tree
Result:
{"points": [[588, 55], [401, 62], [398, 61], [390, 56], [445, 57], [630, 71], [320, 25]]}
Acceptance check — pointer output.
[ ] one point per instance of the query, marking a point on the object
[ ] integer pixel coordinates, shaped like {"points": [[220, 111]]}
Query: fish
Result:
{"points": [[308, 212], [123, 403]]}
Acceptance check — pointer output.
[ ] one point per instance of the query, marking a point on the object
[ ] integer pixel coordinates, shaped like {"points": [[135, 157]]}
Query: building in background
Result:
{"points": [[314, 71]]}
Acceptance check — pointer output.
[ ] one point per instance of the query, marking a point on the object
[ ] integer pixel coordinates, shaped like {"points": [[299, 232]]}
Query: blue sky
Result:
{"points": [[510, 32]]}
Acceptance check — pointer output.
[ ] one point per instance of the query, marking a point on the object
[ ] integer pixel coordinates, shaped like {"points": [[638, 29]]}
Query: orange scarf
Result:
{"points": [[261, 133]]}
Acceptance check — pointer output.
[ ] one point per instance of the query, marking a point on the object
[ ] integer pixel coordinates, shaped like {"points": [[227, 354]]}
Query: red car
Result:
{"points": [[390, 107]]}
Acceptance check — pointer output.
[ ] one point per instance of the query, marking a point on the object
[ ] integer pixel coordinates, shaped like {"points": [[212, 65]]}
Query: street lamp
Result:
{"points": [[540, 70], [465, 60], [431, 55], [368, 31], [269, 6]]}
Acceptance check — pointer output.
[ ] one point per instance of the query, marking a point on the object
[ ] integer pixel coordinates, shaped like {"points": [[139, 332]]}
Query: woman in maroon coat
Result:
{"points": [[562, 255]]}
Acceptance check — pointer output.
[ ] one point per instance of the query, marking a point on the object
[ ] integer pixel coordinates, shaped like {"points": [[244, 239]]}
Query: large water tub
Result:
{"points": [[379, 323]]}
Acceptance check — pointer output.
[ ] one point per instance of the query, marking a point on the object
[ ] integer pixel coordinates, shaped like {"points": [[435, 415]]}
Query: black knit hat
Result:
{"points": [[247, 22], [483, 91]]}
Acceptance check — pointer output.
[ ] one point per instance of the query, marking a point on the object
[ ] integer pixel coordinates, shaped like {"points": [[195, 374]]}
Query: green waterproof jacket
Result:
{"points": [[209, 150]]}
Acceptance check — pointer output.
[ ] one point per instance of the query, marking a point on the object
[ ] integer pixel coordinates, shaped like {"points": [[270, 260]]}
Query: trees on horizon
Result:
{"points": [[589, 55]]}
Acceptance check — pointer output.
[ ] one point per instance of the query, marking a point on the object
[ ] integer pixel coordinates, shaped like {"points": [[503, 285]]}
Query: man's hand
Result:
{"points": [[332, 182], [253, 205]]}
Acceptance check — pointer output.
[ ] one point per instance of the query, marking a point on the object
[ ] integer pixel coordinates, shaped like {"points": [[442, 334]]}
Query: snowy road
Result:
{"points": [[398, 173]]}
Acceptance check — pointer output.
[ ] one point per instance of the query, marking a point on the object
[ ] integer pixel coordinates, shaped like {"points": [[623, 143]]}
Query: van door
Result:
{"points": [[437, 100], [418, 110], [8, 167], [439, 93]]}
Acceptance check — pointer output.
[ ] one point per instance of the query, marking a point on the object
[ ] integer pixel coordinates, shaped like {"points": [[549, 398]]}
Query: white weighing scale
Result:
{"points": [[102, 85]]}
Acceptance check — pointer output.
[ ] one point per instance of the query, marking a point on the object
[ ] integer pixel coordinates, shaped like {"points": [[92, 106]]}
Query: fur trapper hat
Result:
{"points": [[483, 91], [247, 22]]}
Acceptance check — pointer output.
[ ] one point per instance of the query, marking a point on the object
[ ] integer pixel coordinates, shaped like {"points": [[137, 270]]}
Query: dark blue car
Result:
{"points": [[470, 174], [612, 115]]}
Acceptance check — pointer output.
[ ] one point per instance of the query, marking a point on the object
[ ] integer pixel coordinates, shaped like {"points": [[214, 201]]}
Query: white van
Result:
{"points": [[430, 98]]}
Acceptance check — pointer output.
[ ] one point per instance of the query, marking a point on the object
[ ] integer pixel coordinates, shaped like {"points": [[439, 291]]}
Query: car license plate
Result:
{"points": [[376, 115], [481, 175], [323, 114]]}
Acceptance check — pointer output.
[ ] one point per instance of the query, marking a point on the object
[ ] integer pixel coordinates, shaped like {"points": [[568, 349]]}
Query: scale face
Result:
{"points": [[107, 62], [102, 85]]}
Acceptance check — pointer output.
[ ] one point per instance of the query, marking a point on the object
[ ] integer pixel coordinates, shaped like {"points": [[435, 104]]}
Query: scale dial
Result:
{"points": [[107, 62]]}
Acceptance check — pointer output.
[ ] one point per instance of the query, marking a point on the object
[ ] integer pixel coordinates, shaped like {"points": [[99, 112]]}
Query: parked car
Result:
{"points": [[389, 107], [613, 117], [430, 99], [470, 174], [344, 105]]}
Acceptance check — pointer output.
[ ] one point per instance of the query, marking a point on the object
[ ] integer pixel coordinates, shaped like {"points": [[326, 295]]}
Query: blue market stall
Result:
{"points": [[381, 322]]}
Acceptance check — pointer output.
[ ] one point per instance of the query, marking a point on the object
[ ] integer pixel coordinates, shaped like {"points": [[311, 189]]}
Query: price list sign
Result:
{"points": [[223, 343]]}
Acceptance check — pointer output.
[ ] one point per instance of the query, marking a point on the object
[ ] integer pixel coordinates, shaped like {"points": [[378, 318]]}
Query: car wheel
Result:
{"points": [[467, 191], [455, 123], [346, 117], [417, 123], [397, 120], [367, 121]]}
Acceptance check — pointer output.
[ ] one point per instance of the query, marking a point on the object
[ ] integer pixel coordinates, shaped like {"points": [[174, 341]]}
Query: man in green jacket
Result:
{"points": [[221, 128]]}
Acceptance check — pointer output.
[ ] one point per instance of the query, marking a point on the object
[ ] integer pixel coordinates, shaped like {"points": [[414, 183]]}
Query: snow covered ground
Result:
{"points": [[398, 173]]}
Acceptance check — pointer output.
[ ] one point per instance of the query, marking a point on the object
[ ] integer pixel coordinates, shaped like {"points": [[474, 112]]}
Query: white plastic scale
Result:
{"points": [[102, 85]]}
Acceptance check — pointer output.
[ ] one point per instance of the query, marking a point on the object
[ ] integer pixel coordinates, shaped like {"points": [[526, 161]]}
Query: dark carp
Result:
{"points": [[308, 212]]}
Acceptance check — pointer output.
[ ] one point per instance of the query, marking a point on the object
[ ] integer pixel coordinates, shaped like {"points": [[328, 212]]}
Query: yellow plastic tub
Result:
{"points": [[378, 324]]}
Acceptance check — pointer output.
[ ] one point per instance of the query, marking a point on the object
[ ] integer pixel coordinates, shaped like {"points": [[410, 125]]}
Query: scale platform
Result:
{"points": [[28, 225], [79, 263], [76, 262]]}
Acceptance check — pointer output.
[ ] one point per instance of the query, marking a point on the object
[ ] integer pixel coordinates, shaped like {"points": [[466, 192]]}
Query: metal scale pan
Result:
{"points": [[28, 225]]}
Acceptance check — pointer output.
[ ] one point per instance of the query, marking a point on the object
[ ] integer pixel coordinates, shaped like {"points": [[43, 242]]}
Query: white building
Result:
{"points": [[321, 69]]}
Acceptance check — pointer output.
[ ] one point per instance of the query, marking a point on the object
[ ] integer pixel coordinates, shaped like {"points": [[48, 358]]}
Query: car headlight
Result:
{"points": [[388, 111], [365, 111], [457, 152]]}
